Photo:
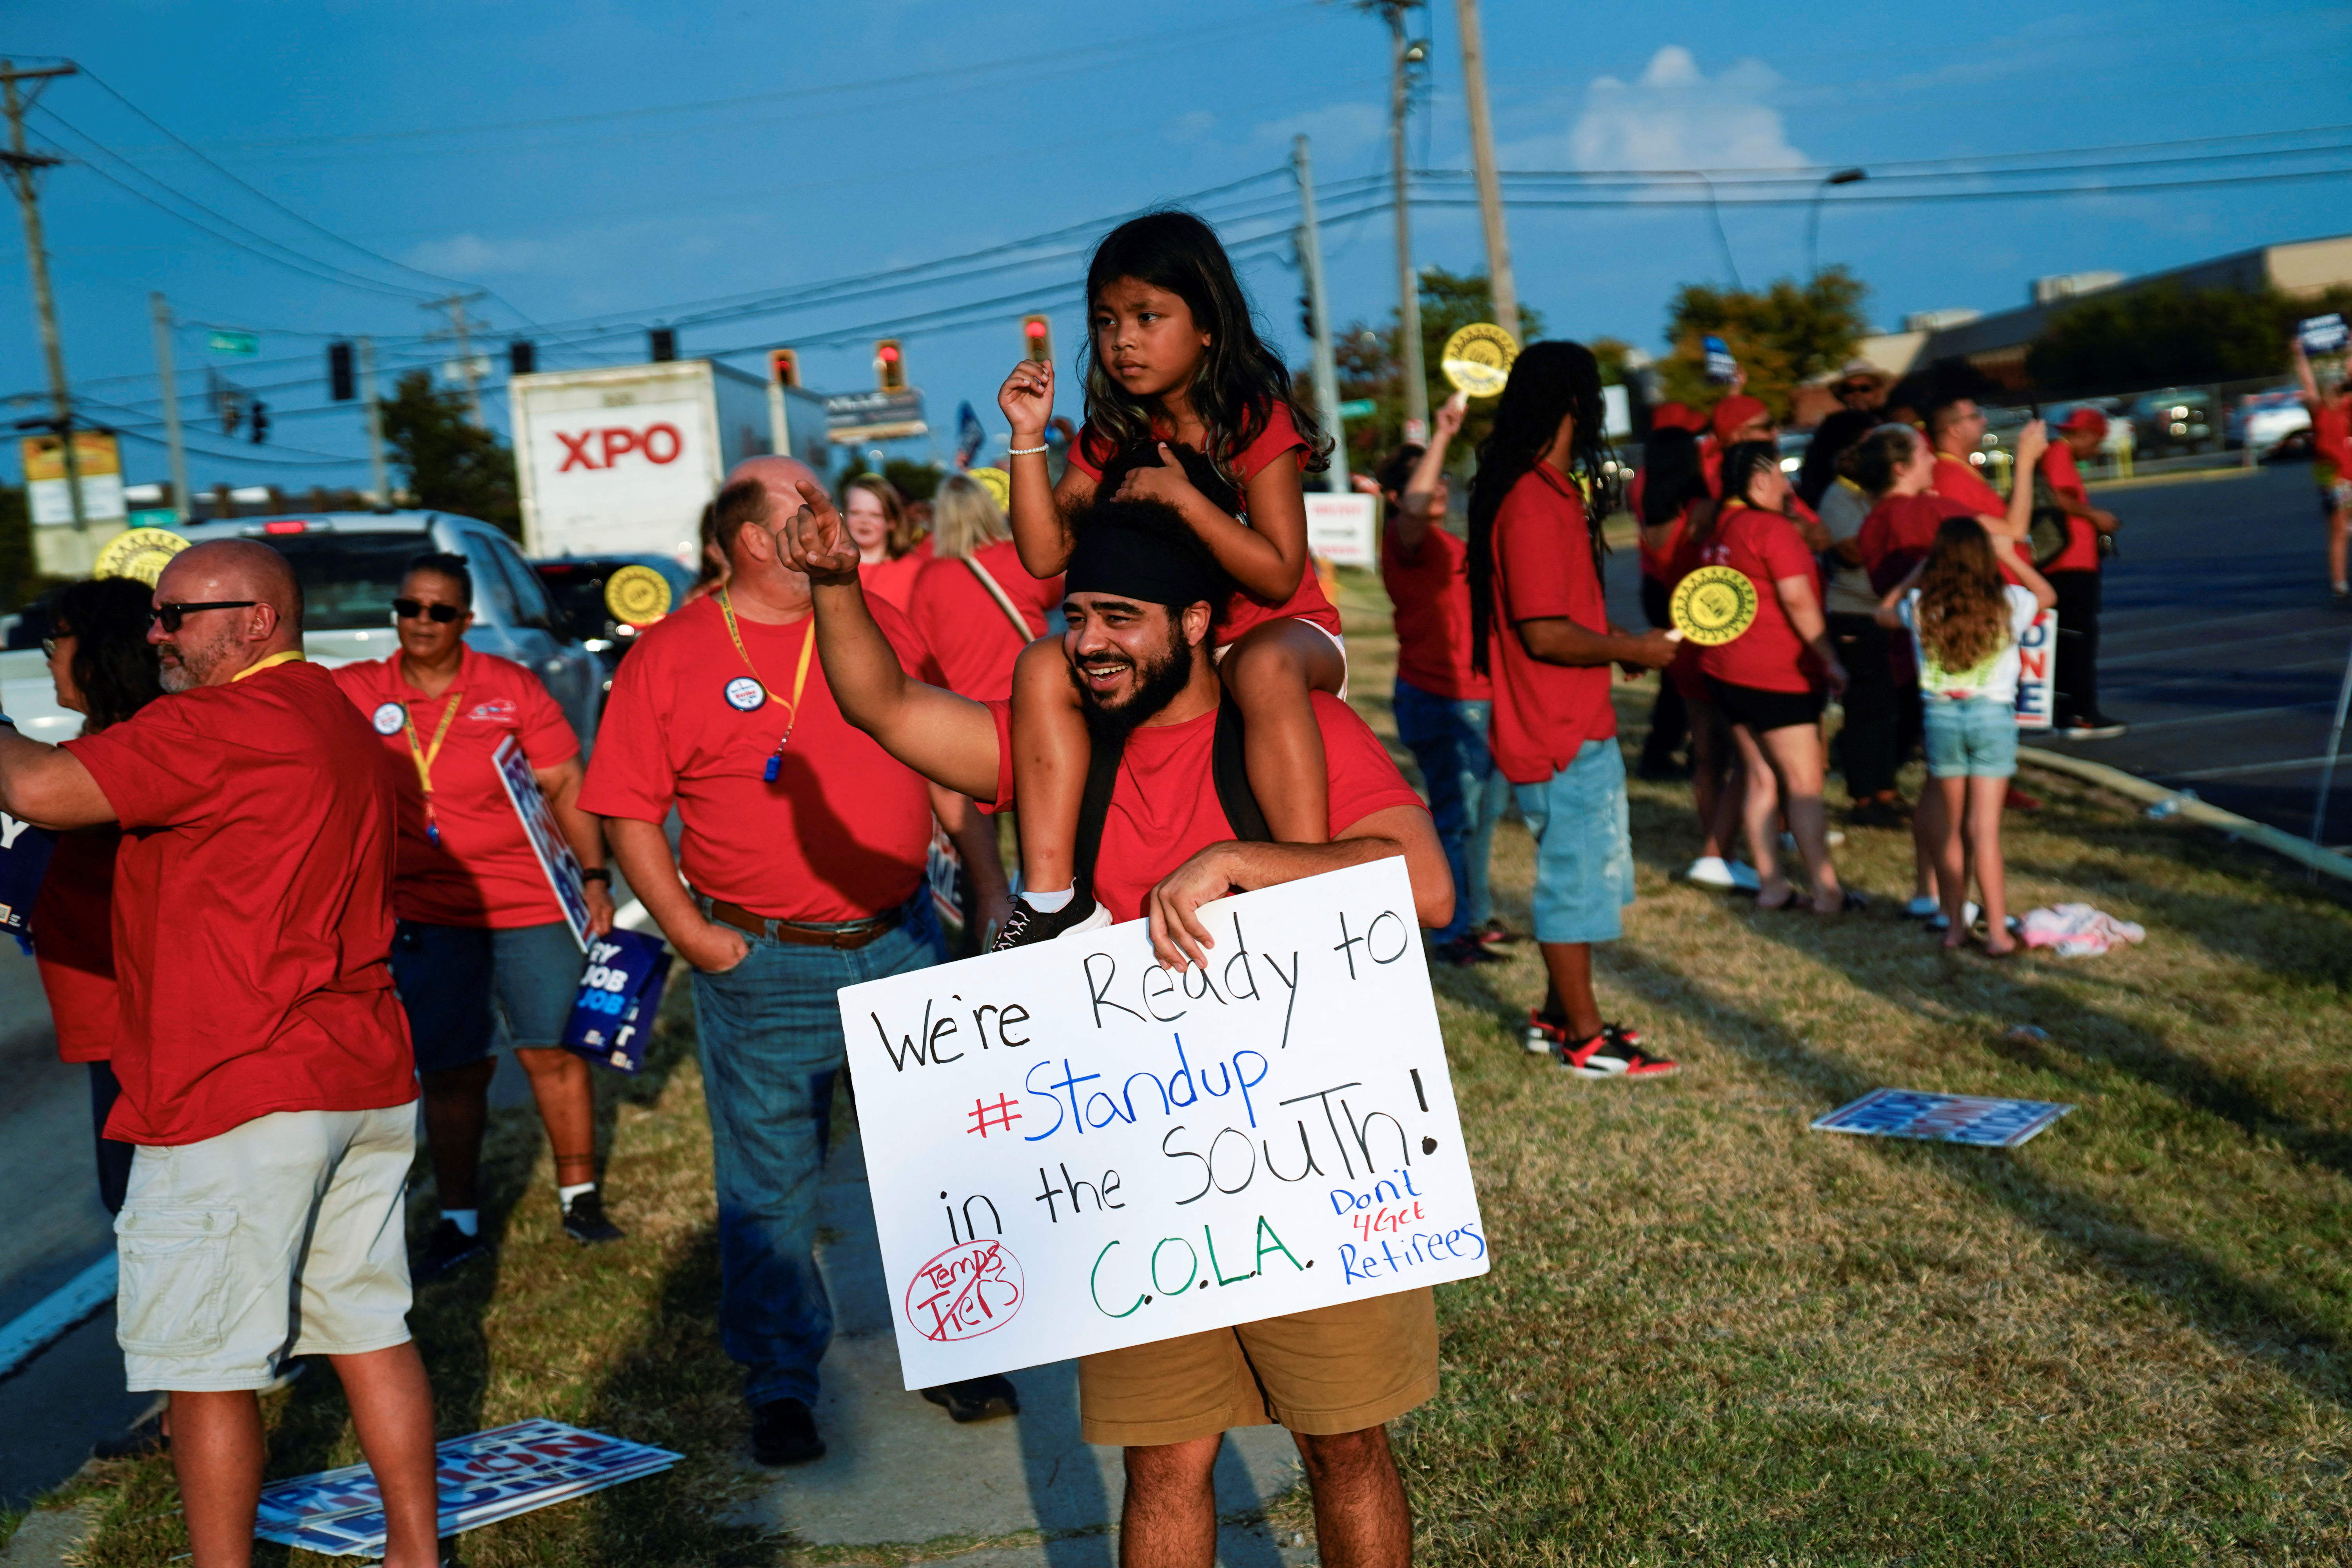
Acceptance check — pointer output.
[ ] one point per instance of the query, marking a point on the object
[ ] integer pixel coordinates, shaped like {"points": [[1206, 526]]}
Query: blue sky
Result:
{"points": [[539, 151]]}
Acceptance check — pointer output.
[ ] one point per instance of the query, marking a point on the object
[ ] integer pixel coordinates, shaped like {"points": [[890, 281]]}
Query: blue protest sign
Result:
{"points": [[539, 825], [2324, 335], [24, 861], [1721, 366], [620, 994], [1943, 1118]]}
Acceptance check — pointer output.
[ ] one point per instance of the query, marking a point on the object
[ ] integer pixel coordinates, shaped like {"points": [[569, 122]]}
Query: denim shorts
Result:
{"points": [[450, 977], [1584, 846], [1974, 737]]}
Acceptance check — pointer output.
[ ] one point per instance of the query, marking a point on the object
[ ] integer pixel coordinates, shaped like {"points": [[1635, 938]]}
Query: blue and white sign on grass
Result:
{"points": [[2037, 671], [1072, 1149], [1943, 1118], [555, 857]]}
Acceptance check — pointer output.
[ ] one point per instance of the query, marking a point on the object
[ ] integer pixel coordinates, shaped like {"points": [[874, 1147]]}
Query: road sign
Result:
{"points": [[246, 345], [852, 417], [1356, 408]]}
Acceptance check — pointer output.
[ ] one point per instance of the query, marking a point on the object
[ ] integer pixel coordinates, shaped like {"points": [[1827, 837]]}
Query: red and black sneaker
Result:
{"points": [[1611, 1053], [1543, 1037]]}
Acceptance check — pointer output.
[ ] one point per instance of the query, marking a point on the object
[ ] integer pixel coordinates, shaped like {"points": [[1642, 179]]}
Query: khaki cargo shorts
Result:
{"points": [[1333, 1369], [279, 1238]]}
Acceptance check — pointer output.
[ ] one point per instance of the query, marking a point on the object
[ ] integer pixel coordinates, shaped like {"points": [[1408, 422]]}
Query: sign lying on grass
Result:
{"points": [[1943, 1118], [486, 1478], [1072, 1149]]}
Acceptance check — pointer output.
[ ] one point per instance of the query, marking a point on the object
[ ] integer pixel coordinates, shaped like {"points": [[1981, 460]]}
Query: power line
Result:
{"points": [[1635, 204], [1760, 179]]}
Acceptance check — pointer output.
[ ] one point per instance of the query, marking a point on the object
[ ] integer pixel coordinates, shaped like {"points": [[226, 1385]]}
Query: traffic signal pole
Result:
{"points": [[23, 166], [162, 311], [374, 420], [1482, 158], [1403, 55], [1326, 368]]}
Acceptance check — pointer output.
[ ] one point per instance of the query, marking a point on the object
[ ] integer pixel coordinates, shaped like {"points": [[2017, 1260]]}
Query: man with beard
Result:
{"points": [[264, 1064], [1141, 597]]}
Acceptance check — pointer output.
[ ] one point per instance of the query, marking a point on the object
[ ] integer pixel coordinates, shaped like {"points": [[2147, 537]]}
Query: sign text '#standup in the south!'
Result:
{"points": [[1073, 1149]]}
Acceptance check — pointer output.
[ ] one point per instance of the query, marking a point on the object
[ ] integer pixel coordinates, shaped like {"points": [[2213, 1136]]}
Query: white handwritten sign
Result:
{"points": [[1073, 1149]]}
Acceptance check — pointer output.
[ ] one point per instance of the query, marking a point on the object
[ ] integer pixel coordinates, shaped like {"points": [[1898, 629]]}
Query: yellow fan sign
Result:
{"points": [[638, 595], [997, 483], [1477, 359], [1713, 605], [139, 553]]}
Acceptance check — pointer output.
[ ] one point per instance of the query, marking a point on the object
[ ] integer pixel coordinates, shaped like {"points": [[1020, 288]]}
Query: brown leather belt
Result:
{"points": [[849, 937]]}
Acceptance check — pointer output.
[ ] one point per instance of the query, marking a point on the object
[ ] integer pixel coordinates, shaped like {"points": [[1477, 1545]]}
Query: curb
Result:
{"points": [[2196, 811]]}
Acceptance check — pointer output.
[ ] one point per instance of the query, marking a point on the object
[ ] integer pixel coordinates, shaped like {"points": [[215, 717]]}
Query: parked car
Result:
{"points": [[350, 566], [2274, 423], [576, 584], [2177, 419]]}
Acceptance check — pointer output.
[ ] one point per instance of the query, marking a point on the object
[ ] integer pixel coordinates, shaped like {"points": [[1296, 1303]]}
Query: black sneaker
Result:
{"points": [[784, 1432], [1029, 924], [976, 1398], [447, 1250], [584, 1221]]}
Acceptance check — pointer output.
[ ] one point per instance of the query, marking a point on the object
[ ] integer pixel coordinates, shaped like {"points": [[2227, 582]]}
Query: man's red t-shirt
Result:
{"points": [[1544, 713], [252, 908], [1900, 530], [1244, 611], [840, 835], [1764, 547], [73, 942], [968, 637], [1432, 595], [1164, 807], [2082, 552], [2331, 440], [484, 871], [1956, 479]]}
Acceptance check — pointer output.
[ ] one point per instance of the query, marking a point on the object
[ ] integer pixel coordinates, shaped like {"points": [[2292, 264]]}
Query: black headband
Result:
{"points": [[1135, 564]]}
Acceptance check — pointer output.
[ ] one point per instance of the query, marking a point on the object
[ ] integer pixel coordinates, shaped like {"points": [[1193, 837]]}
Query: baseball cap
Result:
{"points": [[2085, 419]]}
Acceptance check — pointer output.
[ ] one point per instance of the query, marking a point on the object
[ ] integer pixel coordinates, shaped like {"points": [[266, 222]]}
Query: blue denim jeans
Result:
{"points": [[1467, 792], [768, 1032]]}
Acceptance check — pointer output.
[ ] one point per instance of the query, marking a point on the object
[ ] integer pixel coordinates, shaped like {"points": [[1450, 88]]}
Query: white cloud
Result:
{"points": [[470, 256], [1334, 131], [1674, 117], [1193, 126]]}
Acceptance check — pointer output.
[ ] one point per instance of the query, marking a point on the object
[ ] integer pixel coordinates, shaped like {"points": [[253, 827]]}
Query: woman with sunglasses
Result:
{"points": [[105, 670], [479, 926]]}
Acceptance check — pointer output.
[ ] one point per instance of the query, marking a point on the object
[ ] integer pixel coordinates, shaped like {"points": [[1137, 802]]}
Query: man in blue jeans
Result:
{"points": [[799, 871]]}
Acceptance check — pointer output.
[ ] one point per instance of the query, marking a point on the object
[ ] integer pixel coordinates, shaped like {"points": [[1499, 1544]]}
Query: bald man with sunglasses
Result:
{"points": [[266, 1071]]}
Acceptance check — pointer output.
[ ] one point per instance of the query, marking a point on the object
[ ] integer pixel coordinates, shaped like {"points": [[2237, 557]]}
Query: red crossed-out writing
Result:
{"points": [[656, 444]]}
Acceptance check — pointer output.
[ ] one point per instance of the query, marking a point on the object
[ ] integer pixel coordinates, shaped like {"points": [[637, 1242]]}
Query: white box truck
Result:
{"points": [[621, 460]]}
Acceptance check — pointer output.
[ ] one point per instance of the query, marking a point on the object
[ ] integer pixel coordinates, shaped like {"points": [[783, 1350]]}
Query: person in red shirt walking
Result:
{"points": [[891, 551], [1541, 630], [482, 937], [2331, 465], [264, 1064], [2074, 576], [799, 871], [1443, 706]]}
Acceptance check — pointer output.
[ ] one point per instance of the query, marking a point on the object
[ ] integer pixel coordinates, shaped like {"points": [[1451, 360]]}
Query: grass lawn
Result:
{"points": [[1711, 1335]]}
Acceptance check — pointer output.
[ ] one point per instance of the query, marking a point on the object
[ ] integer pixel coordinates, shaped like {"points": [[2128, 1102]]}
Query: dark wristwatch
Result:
{"points": [[596, 874]]}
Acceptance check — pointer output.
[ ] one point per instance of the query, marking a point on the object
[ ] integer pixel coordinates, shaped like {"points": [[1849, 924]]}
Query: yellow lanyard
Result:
{"points": [[800, 683], [425, 757]]}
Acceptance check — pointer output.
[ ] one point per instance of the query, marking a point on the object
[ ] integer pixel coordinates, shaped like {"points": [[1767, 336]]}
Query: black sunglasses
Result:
{"points": [[169, 617], [411, 609]]}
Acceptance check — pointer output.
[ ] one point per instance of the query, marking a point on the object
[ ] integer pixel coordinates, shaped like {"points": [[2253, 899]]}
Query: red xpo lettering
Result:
{"points": [[658, 444]]}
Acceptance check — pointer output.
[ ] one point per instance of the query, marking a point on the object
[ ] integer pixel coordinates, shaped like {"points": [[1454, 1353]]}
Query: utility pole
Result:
{"points": [[1403, 55], [462, 327], [1490, 183], [181, 500], [23, 167], [1326, 368], [374, 420]]}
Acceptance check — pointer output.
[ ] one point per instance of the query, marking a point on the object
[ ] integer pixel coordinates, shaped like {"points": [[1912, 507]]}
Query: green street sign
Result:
{"points": [[1356, 409], [155, 516], [247, 343]]}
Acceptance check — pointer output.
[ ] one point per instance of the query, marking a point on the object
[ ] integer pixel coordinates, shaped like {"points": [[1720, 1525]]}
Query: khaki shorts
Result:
{"points": [[1333, 1369], [279, 1238]]}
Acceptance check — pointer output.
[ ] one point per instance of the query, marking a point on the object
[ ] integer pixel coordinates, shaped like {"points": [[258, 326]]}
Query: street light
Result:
{"points": [[1813, 217]]}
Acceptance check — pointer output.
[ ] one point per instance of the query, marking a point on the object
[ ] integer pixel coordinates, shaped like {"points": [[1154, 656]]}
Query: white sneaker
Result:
{"points": [[1712, 871]]}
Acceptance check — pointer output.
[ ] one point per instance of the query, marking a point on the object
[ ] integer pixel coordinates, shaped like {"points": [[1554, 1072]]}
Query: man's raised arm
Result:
{"points": [[947, 739]]}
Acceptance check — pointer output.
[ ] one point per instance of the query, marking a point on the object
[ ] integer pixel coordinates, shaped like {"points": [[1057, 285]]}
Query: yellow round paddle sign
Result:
{"points": [[997, 483], [1477, 359], [1713, 605], [638, 595], [139, 553]]}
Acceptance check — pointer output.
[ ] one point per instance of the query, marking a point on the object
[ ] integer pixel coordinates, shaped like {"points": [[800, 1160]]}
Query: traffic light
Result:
{"points": [[1037, 335], [343, 384], [664, 344], [261, 422], [784, 366], [890, 366], [522, 357], [1306, 315]]}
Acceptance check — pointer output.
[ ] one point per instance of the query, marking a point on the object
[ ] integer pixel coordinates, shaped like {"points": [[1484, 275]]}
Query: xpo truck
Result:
{"points": [[621, 460]]}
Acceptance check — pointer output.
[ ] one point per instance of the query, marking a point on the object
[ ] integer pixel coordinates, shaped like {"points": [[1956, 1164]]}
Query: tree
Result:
{"points": [[1783, 337], [916, 481], [2124, 339], [19, 580], [1367, 365], [446, 461]]}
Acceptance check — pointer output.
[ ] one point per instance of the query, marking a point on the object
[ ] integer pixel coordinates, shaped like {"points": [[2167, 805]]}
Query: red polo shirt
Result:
{"points": [[484, 871], [252, 908], [1544, 713], [1164, 808], [1432, 595], [840, 835], [970, 641], [2082, 552], [1764, 547]]}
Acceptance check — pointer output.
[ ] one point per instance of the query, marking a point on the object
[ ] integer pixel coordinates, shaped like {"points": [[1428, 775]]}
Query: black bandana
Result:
{"points": [[1110, 557]]}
